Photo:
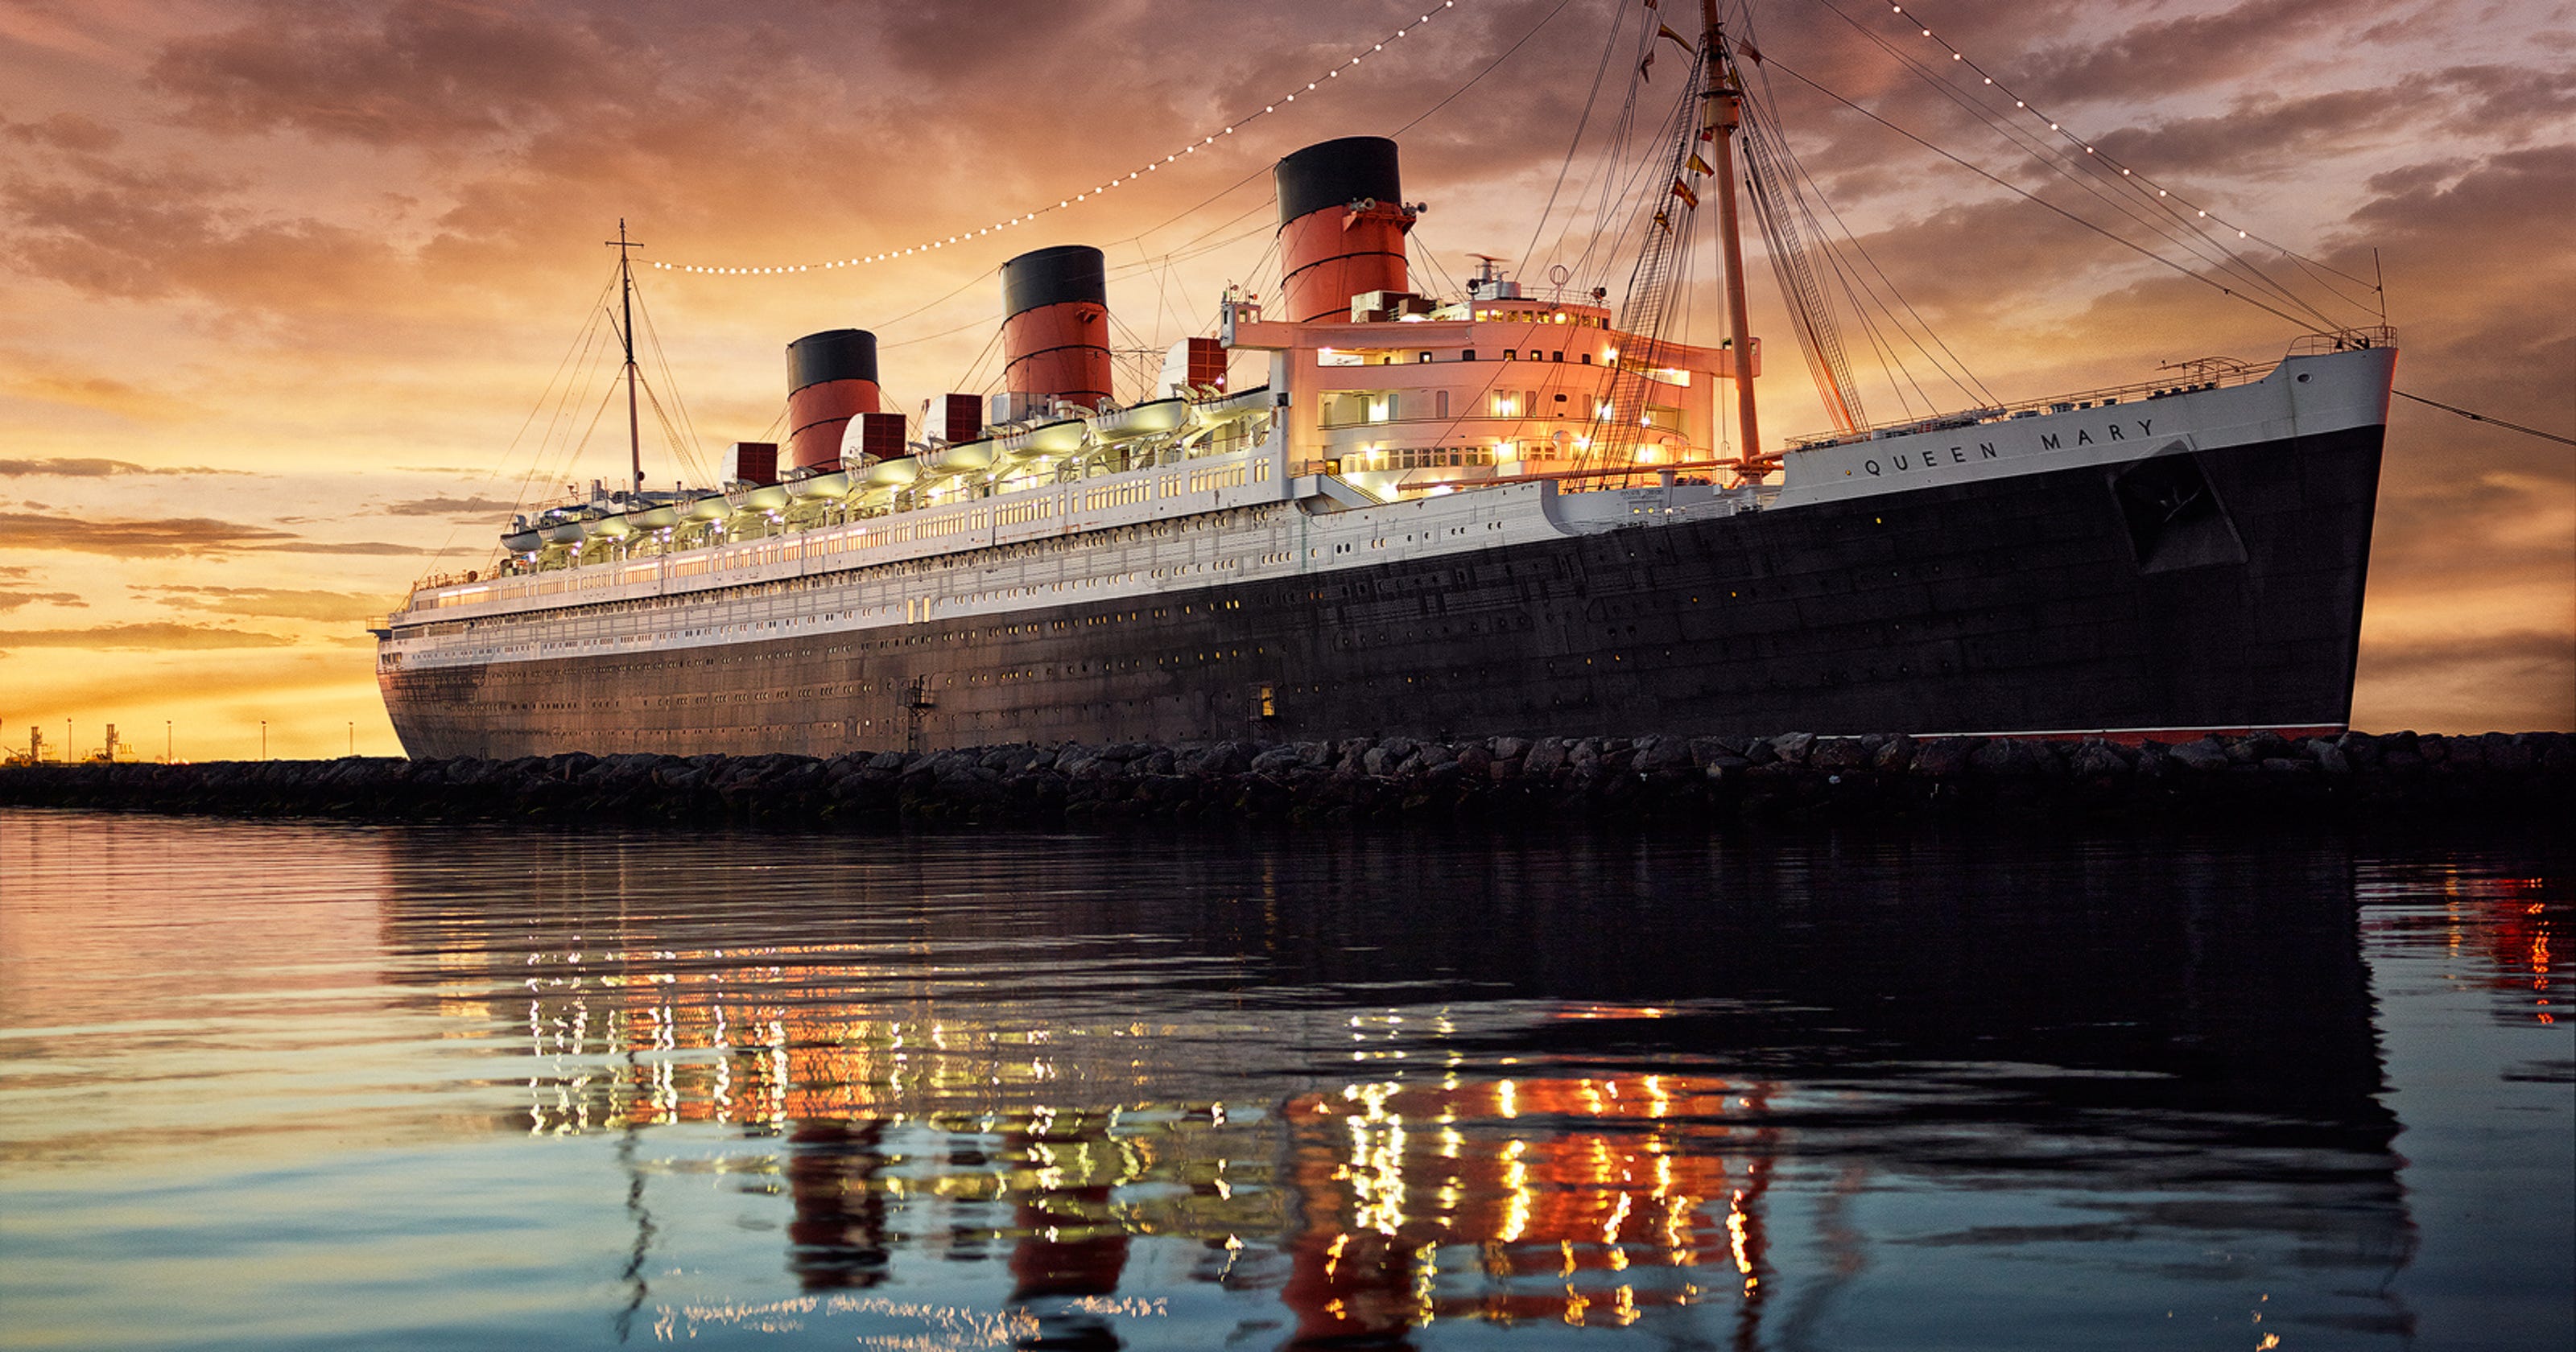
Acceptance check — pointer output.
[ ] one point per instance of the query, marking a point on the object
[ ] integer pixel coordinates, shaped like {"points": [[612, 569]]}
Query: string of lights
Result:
{"points": [[1115, 181], [2200, 212]]}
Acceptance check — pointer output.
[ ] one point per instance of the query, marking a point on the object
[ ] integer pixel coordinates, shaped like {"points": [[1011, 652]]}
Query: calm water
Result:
{"points": [[281, 1085]]}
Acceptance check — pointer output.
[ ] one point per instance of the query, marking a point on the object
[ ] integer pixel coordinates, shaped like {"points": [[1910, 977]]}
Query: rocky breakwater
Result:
{"points": [[1502, 779]]}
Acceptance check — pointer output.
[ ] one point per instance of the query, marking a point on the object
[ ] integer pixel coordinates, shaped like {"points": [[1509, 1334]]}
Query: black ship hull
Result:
{"points": [[2214, 590]]}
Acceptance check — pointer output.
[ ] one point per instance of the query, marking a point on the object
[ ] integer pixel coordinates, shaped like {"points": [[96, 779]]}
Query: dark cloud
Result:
{"points": [[474, 506], [2499, 104], [424, 71], [148, 635], [85, 467], [2194, 51], [171, 537], [272, 602], [66, 131], [166, 237]]}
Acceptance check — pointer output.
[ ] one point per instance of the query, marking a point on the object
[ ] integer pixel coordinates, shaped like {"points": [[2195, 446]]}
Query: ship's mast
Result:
{"points": [[1721, 113], [626, 305]]}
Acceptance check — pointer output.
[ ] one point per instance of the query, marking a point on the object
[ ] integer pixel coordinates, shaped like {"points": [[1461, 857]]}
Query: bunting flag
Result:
{"points": [[1698, 165], [1708, 133], [1745, 47], [1683, 191], [1646, 68], [1665, 221], [1666, 31]]}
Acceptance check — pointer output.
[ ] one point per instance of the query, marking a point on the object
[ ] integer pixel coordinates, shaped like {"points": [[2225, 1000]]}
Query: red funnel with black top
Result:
{"points": [[1055, 330], [831, 377], [1342, 222]]}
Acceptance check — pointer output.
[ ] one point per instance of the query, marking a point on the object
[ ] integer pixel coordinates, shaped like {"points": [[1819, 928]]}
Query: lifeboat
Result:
{"points": [[706, 507], [757, 497], [614, 525], [894, 472], [970, 455], [834, 485], [1151, 418], [566, 525], [1055, 438], [522, 538], [660, 517]]}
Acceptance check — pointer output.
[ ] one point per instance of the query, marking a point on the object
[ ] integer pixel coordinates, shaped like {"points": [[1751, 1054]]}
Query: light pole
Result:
{"points": [[263, 739], [353, 737], [167, 743]]}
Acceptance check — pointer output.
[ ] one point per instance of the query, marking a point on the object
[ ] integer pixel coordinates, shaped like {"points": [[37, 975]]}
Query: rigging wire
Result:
{"points": [[1591, 99], [1488, 70], [546, 394], [2097, 167], [2017, 191], [1856, 287], [550, 466], [684, 450], [2486, 418], [2092, 152]]}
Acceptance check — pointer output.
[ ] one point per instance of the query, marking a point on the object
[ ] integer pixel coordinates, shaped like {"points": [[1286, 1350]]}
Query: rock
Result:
{"points": [[1835, 754], [1277, 760], [2328, 756], [1546, 756], [1894, 756], [2255, 748], [1945, 757], [1663, 753], [2007, 757], [2201, 756], [1508, 748], [1793, 746], [2096, 760]]}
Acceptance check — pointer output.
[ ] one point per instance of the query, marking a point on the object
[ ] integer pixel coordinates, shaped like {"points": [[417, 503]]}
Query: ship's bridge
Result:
{"points": [[1402, 397]]}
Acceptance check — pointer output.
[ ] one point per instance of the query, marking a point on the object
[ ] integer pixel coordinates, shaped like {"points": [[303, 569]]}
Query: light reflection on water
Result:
{"points": [[277, 1085]]}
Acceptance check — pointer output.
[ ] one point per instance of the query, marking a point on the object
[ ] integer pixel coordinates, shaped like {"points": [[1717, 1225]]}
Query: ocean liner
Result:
{"points": [[1512, 511]]}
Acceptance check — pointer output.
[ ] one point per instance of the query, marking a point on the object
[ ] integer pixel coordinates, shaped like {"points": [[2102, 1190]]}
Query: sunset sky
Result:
{"points": [[283, 282]]}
